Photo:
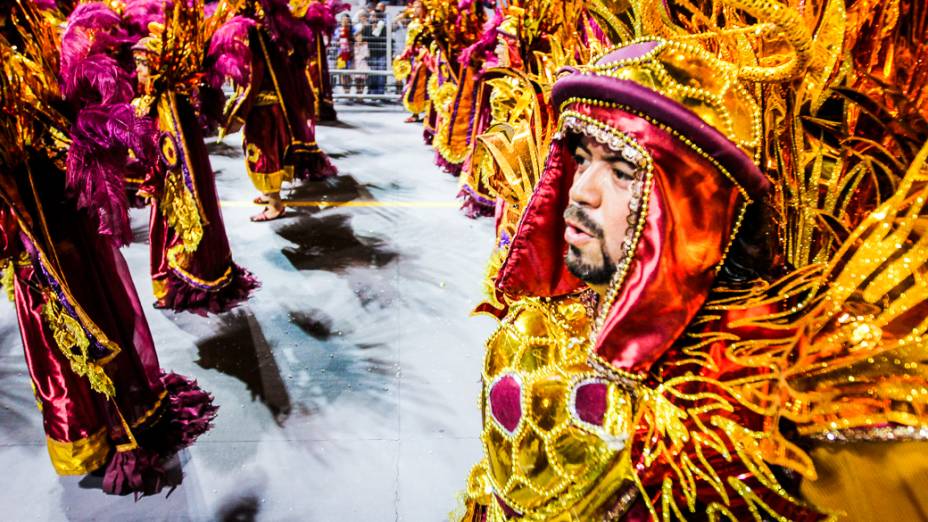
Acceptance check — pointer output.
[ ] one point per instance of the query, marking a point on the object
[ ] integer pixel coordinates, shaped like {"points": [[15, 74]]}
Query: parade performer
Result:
{"points": [[191, 262], [451, 28], [716, 283], [321, 15], [264, 52], [412, 66], [104, 400]]}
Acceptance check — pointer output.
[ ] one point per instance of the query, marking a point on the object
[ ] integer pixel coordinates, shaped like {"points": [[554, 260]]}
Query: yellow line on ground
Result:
{"points": [[325, 204]]}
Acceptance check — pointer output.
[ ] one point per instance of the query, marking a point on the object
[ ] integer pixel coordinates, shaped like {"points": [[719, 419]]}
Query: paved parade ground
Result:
{"points": [[347, 384]]}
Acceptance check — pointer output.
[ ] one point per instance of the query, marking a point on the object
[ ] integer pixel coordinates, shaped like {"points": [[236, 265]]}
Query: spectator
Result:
{"points": [[361, 54], [375, 35], [344, 35], [362, 19], [400, 24]]}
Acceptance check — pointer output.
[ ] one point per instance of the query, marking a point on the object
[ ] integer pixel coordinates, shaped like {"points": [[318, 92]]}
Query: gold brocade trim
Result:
{"points": [[81, 456], [74, 344], [180, 210], [265, 99], [265, 182], [175, 262], [176, 131], [43, 260], [137, 181], [9, 273]]}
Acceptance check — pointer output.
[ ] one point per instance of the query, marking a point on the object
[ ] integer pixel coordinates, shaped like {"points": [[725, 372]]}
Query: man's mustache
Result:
{"points": [[577, 214]]}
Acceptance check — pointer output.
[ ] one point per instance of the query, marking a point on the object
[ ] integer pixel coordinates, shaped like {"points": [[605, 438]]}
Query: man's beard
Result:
{"points": [[591, 274]]}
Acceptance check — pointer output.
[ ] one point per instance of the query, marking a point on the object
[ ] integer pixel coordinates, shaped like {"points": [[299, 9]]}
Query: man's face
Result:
{"points": [[143, 74], [597, 217]]}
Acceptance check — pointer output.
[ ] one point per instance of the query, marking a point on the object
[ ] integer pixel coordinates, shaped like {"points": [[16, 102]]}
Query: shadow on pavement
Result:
{"points": [[220, 148], [242, 509], [240, 350], [329, 243], [338, 188]]}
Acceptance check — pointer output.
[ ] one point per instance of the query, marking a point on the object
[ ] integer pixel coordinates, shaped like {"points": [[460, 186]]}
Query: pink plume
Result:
{"points": [[92, 28], [102, 136], [139, 13], [230, 54]]}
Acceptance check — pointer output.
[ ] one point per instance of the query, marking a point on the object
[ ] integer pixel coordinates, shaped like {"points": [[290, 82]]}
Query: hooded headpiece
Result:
{"points": [[682, 116]]}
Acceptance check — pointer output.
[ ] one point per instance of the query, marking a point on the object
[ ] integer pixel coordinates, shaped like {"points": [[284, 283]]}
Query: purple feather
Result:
{"points": [[139, 13], [98, 79], [321, 17], [102, 137], [92, 29], [230, 54]]}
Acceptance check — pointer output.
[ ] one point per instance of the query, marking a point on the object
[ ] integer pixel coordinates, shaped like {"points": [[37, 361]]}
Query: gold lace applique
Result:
{"points": [[74, 344]]}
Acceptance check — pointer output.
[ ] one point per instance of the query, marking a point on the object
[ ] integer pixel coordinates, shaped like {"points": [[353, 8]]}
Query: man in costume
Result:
{"points": [[191, 262], [321, 15], [272, 103], [645, 216], [104, 399], [671, 351]]}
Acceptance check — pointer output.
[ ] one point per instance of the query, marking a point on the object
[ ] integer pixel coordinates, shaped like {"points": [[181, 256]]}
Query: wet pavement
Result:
{"points": [[347, 384]]}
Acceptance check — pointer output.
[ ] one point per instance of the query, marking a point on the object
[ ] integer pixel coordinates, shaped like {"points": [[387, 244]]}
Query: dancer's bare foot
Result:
{"points": [[268, 214]]}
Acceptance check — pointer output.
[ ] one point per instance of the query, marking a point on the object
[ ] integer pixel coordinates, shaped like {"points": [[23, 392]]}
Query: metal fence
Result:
{"points": [[361, 61]]}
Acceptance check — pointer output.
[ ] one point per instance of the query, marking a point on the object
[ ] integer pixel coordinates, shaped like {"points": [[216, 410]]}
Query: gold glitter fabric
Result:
{"points": [[805, 364]]}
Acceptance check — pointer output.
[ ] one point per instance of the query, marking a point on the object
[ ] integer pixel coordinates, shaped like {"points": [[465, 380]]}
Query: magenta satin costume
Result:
{"points": [[206, 278], [79, 313], [277, 112], [105, 401]]}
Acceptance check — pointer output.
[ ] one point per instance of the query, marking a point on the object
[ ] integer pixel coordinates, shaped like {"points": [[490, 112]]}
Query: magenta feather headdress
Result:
{"points": [[321, 17], [229, 55], [92, 29], [139, 13], [106, 127]]}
